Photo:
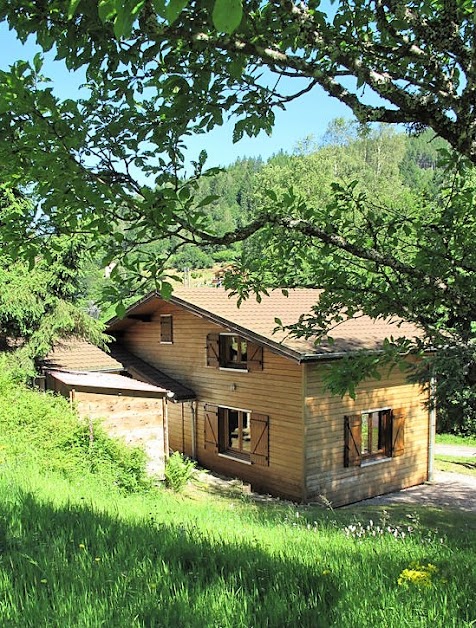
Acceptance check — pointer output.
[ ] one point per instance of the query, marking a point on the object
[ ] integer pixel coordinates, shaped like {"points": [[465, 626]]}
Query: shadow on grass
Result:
{"points": [[73, 566], [466, 463]]}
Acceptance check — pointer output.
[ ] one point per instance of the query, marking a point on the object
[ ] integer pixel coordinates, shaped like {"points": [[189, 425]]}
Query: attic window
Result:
{"points": [[166, 329], [234, 352]]}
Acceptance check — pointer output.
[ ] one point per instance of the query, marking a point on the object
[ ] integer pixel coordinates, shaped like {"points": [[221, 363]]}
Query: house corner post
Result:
{"points": [[432, 428], [165, 420]]}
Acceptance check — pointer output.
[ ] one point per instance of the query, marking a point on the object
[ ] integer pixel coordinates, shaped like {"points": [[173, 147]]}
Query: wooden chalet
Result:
{"points": [[251, 403]]}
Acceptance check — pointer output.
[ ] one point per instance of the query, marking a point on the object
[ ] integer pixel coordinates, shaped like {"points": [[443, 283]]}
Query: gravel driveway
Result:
{"points": [[452, 490]]}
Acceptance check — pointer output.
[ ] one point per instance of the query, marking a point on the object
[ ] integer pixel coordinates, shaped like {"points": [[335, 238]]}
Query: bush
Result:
{"points": [[178, 471], [42, 428]]}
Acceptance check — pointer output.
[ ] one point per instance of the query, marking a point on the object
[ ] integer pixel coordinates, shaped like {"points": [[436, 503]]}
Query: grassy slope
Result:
{"points": [[77, 550]]}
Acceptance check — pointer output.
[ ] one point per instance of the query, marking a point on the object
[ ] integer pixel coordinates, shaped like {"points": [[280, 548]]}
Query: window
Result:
{"points": [[234, 430], [237, 433], [166, 329], [234, 352], [373, 435]]}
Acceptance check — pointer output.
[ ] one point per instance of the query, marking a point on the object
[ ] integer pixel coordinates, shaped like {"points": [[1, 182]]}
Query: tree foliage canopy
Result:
{"points": [[111, 161], [41, 303]]}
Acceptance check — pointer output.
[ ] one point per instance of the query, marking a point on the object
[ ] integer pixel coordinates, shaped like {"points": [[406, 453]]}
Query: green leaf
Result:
{"points": [[37, 62], [166, 290], [120, 309], [106, 9], [207, 200], [227, 15], [73, 5], [174, 9]]}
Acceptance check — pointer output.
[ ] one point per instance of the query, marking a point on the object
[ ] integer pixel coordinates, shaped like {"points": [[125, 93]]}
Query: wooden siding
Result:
{"points": [[276, 391], [326, 475]]}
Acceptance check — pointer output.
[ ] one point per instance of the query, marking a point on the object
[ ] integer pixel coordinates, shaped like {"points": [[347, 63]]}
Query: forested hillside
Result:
{"points": [[391, 166]]}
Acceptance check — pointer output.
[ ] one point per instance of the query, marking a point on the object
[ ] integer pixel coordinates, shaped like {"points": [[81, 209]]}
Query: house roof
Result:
{"points": [[76, 354], [145, 372], [256, 321], [106, 381]]}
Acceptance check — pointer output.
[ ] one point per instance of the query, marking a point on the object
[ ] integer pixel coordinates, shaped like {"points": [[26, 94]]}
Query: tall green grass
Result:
{"points": [[78, 550]]}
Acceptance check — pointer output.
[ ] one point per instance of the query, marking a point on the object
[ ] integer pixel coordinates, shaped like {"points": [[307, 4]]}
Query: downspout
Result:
{"points": [[432, 428], [165, 419], [193, 410]]}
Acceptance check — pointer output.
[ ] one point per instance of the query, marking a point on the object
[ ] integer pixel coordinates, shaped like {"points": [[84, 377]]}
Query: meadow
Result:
{"points": [[86, 540]]}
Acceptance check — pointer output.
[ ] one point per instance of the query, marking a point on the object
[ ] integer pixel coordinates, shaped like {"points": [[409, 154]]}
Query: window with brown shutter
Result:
{"points": [[213, 350], [239, 434], [234, 352], [398, 433], [373, 434], [255, 357], [166, 329]]}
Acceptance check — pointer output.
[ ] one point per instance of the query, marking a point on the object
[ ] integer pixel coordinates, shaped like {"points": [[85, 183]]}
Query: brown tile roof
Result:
{"points": [[76, 354], [256, 321]]}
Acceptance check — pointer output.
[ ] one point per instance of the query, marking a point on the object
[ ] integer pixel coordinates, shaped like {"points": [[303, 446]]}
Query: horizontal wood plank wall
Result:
{"points": [[326, 475], [275, 391]]}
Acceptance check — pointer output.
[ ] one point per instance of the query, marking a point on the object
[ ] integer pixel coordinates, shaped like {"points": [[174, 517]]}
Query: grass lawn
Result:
{"points": [[85, 542], [453, 439], [456, 464], [86, 555]]}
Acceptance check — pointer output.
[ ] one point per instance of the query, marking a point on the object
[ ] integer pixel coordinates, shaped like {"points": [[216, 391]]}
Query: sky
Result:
{"points": [[308, 116]]}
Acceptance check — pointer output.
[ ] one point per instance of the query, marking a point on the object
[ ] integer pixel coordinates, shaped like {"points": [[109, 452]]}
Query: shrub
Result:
{"points": [[178, 471], [42, 428]]}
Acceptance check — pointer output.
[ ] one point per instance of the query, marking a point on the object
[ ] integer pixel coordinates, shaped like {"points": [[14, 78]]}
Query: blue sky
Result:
{"points": [[308, 115]]}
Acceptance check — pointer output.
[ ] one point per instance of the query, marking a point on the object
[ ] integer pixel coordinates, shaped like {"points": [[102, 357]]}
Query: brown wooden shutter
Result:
{"points": [[398, 432], [352, 440], [259, 439], [211, 427], [255, 357], [166, 329], [213, 350]]}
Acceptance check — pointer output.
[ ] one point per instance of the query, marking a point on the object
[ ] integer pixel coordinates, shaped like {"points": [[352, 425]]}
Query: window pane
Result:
{"points": [[365, 434], [244, 352], [375, 426], [233, 431], [166, 328], [233, 349], [246, 432]]}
